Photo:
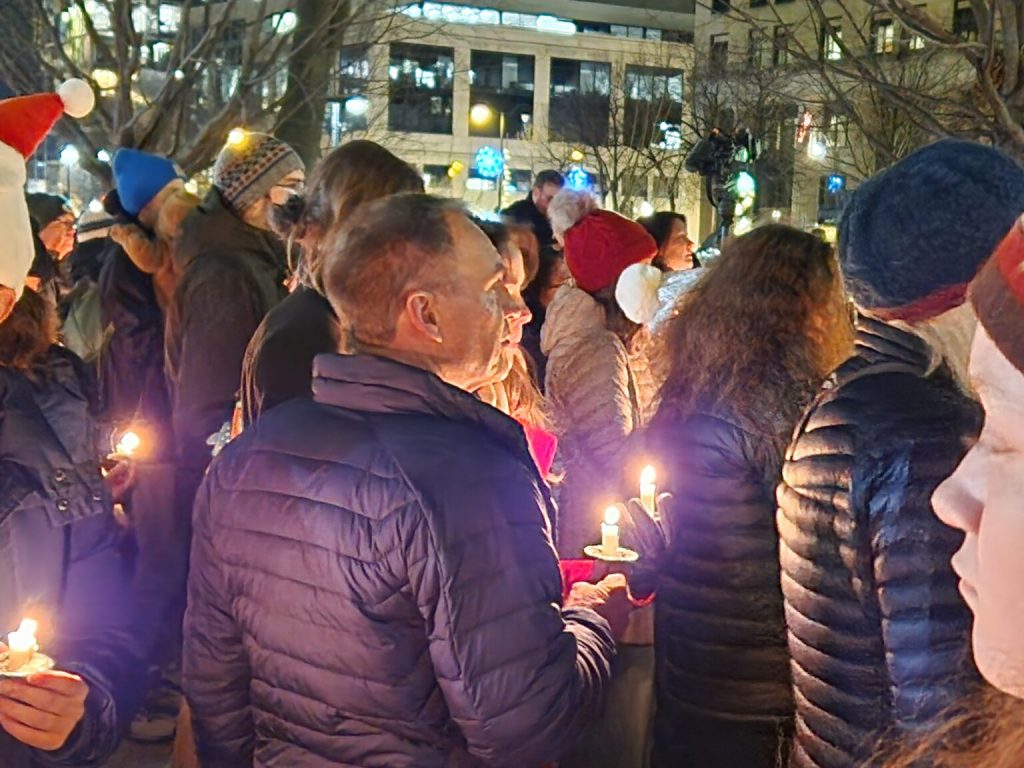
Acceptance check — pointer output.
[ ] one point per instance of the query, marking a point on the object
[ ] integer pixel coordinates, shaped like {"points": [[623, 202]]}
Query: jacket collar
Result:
{"points": [[879, 343], [378, 385]]}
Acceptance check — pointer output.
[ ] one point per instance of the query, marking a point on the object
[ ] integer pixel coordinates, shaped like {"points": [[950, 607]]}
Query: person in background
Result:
{"points": [[746, 350], [59, 559], [81, 316], [53, 225], [278, 363], [538, 293], [600, 390], [982, 501], [533, 211], [152, 193], [670, 232], [234, 272], [406, 520], [878, 634], [517, 395]]}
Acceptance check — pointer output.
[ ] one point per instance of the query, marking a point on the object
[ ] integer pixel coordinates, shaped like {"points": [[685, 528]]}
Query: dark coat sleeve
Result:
{"points": [[215, 672], [219, 314], [101, 640], [521, 677]]}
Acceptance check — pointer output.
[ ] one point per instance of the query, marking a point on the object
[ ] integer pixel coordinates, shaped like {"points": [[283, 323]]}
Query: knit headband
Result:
{"points": [[998, 296]]}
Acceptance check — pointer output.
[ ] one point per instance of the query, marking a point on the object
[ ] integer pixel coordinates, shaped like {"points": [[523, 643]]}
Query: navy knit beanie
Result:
{"points": [[914, 236]]}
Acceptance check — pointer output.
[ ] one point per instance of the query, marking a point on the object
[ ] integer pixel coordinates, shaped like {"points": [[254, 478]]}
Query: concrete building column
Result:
{"points": [[541, 97], [460, 97]]}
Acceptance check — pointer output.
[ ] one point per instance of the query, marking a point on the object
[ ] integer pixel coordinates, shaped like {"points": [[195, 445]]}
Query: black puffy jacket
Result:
{"points": [[374, 584], [879, 635], [720, 637], [59, 557]]}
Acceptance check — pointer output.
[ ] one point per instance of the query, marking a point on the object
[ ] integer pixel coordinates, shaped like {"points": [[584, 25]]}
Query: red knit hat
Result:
{"points": [[601, 245], [25, 120], [998, 296]]}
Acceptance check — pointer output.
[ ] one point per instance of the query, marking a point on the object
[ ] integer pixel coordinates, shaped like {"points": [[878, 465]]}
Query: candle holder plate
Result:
{"points": [[39, 662], [621, 555]]}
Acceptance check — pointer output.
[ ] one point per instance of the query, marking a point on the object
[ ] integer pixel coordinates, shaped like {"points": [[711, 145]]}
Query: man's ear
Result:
{"points": [[421, 313], [7, 302]]}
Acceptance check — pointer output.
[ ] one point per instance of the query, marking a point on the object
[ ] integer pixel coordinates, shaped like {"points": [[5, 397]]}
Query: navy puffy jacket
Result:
{"points": [[879, 635], [373, 584]]}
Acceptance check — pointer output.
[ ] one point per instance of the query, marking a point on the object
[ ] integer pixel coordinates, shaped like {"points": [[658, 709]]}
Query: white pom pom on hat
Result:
{"points": [[77, 96], [637, 292]]}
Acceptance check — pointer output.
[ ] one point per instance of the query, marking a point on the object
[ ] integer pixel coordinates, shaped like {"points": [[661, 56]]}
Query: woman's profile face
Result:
{"points": [[984, 498]]}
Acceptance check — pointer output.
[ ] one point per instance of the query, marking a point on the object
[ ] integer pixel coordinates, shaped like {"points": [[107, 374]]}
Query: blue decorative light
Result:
{"points": [[578, 179], [835, 183], [489, 163]]}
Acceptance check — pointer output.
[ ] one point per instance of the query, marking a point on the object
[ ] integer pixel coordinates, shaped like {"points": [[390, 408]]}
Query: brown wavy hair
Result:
{"points": [[757, 334], [984, 731], [352, 174], [27, 334]]}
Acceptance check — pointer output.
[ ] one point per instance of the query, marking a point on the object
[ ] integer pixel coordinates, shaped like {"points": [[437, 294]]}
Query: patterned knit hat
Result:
{"points": [[998, 296], [914, 236], [249, 168]]}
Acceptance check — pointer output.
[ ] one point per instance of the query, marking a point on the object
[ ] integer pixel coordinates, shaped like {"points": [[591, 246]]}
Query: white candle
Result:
{"points": [[610, 531], [129, 443], [21, 645], [648, 490]]}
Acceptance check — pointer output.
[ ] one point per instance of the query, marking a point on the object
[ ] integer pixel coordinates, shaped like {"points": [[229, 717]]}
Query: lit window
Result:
{"points": [[169, 17], [831, 36], [883, 36]]}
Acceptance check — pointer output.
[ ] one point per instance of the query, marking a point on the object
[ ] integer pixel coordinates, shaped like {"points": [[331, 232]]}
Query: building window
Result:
{"points": [[520, 180], [435, 177], [965, 23], [421, 79], [883, 36], [831, 35], [780, 45], [504, 82], [634, 185], [653, 107], [580, 100], [758, 3], [758, 53], [721, 6], [836, 128], [718, 58]]}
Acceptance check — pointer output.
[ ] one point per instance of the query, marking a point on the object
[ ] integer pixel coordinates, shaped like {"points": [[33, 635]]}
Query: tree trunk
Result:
{"points": [[318, 41]]}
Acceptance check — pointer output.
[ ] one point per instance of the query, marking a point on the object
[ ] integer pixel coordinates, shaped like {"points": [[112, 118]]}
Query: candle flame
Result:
{"points": [[648, 475], [28, 628], [611, 515], [129, 443]]}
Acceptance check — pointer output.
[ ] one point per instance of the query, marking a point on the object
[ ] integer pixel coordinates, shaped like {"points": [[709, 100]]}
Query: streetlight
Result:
{"points": [[481, 114], [69, 158]]}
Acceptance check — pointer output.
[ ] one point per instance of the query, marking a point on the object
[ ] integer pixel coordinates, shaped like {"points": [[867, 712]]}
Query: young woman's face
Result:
{"points": [[677, 252], [985, 499]]}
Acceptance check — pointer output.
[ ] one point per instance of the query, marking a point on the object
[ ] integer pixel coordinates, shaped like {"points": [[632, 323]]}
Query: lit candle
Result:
{"points": [[610, 531], [21, 645], [648, 490], [129, 443]]}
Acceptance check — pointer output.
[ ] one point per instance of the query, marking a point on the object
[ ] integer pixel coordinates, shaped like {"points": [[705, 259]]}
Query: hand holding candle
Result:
{"points": [[128, 444], [21, 645]]}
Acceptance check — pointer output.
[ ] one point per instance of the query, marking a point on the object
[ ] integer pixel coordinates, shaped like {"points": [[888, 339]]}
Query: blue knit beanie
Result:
{"points": [[139, 176], [913, 237]]}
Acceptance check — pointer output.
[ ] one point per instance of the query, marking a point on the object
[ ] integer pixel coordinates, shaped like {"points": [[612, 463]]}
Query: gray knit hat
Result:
{"points": [[247, 170]]}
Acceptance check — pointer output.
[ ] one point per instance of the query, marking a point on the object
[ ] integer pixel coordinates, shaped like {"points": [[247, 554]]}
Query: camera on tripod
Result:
{"points": [[716, 158]]}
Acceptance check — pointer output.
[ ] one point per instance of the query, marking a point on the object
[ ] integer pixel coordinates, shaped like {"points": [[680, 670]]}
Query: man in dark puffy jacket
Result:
{"points": [[373, 579], [878, 633], [533, 210]]}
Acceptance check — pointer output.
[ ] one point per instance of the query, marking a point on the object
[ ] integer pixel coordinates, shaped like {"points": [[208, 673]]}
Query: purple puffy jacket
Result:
{"points": [[373, 584]]}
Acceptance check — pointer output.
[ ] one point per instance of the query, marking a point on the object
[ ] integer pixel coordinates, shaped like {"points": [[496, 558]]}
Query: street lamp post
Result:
{"points": [[69, 158], [483, 113]]}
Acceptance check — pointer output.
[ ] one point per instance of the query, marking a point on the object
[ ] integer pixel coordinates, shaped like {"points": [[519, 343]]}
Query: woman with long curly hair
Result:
{"points": [[745, 352]]}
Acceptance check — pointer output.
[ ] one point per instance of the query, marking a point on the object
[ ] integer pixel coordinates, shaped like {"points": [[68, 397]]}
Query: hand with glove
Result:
{"points": [[649, 535]]}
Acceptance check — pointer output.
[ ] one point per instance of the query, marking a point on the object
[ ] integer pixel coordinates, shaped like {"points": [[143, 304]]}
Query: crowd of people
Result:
{"points": [[373, 434]]}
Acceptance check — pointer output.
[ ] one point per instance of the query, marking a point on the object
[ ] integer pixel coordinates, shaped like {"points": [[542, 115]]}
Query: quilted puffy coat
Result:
{"points": [[879, 635], [373, 584], [599, 394], [59, 557], [720, 634]]}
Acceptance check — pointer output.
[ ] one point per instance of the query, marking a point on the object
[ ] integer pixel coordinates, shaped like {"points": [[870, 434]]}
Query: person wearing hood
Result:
{"points": [[60, 562], [877, 631]]}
